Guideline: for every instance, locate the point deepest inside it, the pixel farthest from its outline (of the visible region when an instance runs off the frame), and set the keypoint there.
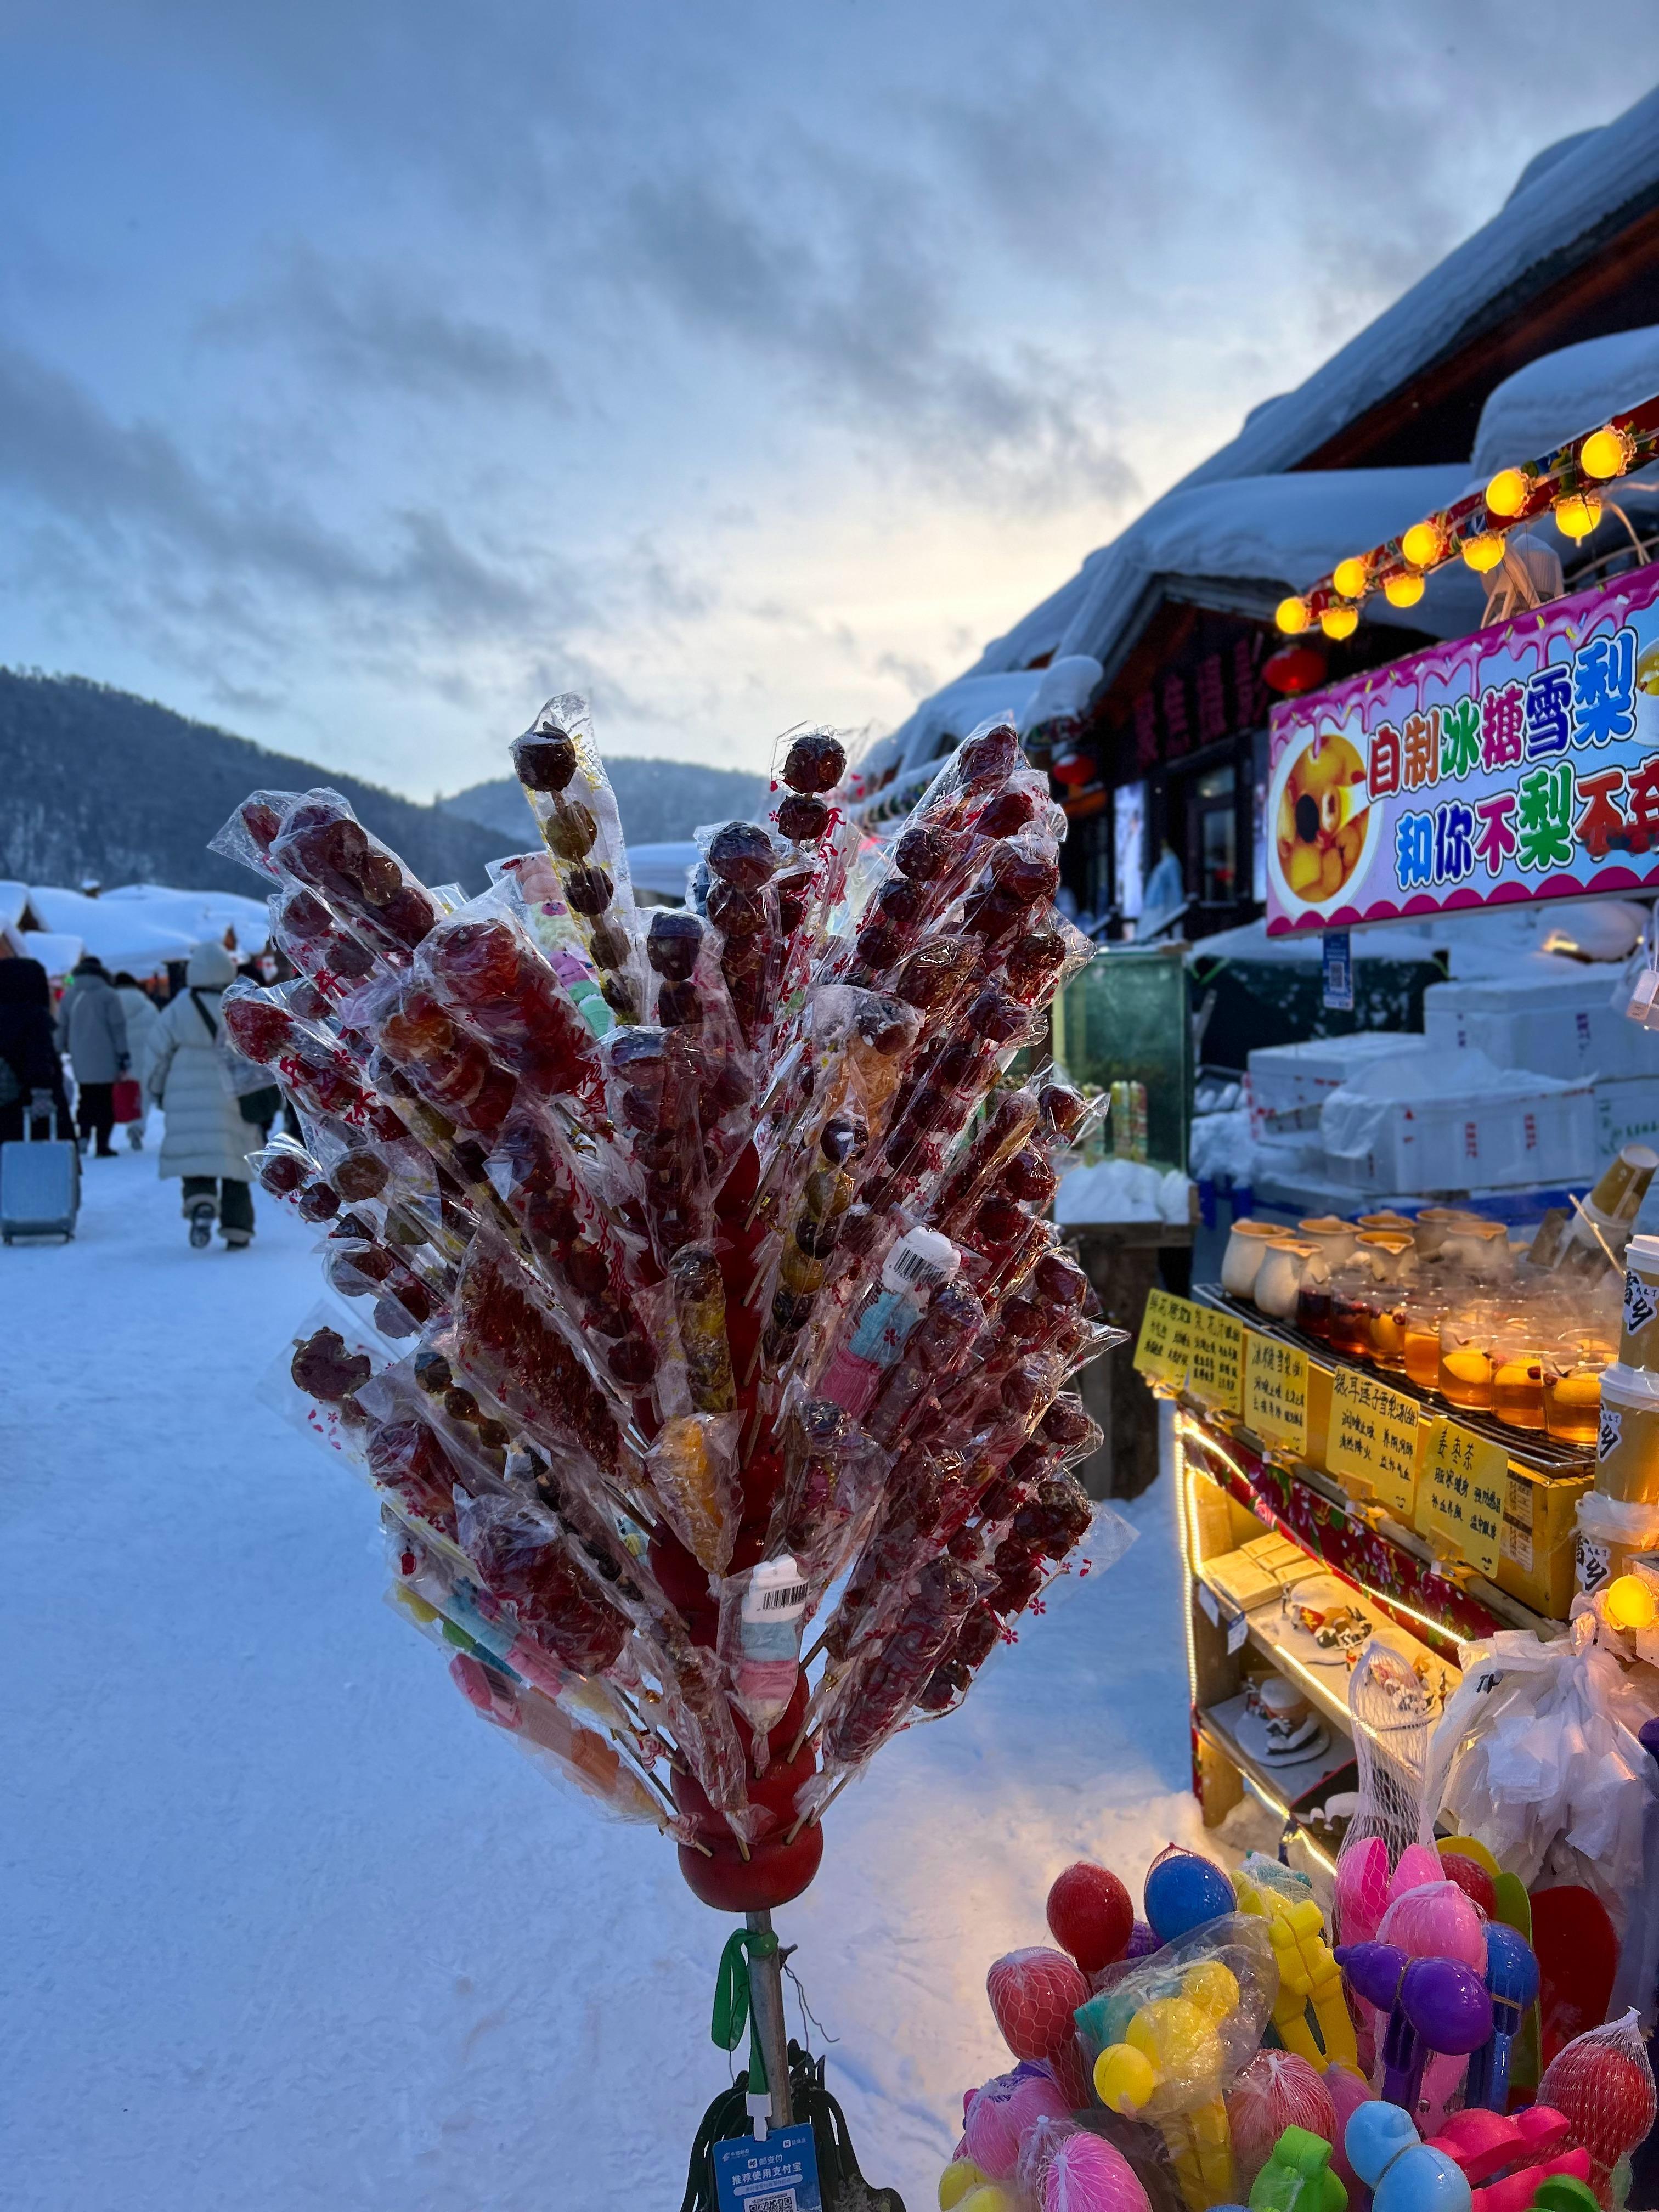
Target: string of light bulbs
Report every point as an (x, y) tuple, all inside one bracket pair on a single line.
[(1565, 485)]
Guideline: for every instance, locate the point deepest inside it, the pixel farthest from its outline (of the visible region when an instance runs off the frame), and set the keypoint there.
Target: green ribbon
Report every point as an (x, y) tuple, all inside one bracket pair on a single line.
[(732, 1999)]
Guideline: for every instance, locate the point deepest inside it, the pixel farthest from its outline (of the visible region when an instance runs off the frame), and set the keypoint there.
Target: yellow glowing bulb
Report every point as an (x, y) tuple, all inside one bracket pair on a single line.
[(1508, 492), (1606, 452), (1483, 552), (1403, 591), (1340, 622), (1422, 544), (1292, 617), (1349, 576), (1629, 1602), (1577, 513)]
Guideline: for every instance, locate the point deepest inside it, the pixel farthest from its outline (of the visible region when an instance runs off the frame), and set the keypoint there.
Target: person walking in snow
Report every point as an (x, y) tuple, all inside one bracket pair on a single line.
[(95, 1030), (142, 1015), (31, 1072), (207, 1141)]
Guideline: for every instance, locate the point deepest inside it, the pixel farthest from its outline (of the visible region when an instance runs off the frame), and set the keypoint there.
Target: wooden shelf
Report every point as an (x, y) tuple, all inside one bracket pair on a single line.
[(1278, 1788)]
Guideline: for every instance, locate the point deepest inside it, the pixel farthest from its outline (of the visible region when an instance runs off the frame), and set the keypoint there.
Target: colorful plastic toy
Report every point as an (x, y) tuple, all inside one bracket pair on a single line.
[(1603, 2083), (1276, 2090), (1034, 1993), (1091, 1915), (1433, 2004), (1182, 1891), (1308, 1976), (1170, 2068), (1298, 2177), (1086, 2174), (1403, 2173), (1512, 1985), (1512, 2156), (1435, 1920), (999, 2114)]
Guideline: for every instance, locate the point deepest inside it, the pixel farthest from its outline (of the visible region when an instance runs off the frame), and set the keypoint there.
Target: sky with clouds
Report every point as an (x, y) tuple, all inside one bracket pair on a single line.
[(370, 370)]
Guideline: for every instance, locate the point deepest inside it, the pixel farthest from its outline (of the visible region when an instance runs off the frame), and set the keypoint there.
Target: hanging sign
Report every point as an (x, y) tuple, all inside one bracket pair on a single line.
[(1276, 1393), (1461, 1490), (778, 2173), (1373, 1436), (1517, 764), (1216, 1361), (1164, 1345)]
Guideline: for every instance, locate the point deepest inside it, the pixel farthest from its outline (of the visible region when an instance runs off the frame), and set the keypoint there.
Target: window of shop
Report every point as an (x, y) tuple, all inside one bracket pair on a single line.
[(1217, 807)]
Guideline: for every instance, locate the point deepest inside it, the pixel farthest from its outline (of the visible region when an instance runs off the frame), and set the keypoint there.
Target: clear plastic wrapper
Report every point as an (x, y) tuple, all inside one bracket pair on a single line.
[(811, 1234), (253, 829), (551, 1737), (523, 1562), (935, 1349), (831, 1489), (308, 1063), (483, 966), (743, 903), (699, 1297), (322, 844), (920, 1264), (763, 1611), (314, 1382), (575, 809), (528, 881), (653, 1098), (691, 999), (873, 1698), (332, 958), (1602, 2082), (692, 1464)]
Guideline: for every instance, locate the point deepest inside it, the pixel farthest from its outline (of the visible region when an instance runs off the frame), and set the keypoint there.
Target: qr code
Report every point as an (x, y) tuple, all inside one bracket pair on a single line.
[(781, 2200)]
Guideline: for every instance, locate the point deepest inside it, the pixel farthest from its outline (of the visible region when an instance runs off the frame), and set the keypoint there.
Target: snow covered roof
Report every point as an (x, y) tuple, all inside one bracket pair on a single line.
[(56, 951), (1565, 196), (197, 915), (1030, 695), (14, 897), (1559, 394), (142, 927), (663, 868)]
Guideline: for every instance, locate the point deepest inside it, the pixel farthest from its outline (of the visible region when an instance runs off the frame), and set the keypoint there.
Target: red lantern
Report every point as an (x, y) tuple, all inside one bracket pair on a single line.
[(1299, 668), (1074, 768)]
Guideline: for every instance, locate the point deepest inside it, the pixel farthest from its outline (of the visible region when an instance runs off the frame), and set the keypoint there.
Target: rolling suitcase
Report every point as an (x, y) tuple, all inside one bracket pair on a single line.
[(39, 1186)]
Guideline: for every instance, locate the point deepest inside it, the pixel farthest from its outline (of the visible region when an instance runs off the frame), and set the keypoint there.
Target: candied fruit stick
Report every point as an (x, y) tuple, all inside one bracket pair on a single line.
[(322, 845), (331, 958), (320, 1074), (692, 1466), (651, 1093), (550, 1737), (247, 836), (699, 1294), (561, 776), (742, 860), (691, 999), (813, 1232), (1012, 1117), (692, 1696), (809, 812), (936, 1349), (485, 968), (831, 1490), (884, 1682), (873, 1342)]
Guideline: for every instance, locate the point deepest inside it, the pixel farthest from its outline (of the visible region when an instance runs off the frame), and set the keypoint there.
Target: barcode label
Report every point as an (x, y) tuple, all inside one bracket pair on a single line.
[(781, 1601), (913, 1267), (781, 2200)]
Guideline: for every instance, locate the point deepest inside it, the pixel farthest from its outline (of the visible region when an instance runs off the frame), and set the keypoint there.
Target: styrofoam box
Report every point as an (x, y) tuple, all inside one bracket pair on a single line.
[(1626, 1113), (1289, 1083), (1556, 1025), (1479, 1142)]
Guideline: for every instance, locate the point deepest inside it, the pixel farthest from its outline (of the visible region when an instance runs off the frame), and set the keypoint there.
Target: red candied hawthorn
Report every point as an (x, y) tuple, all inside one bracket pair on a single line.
[(1066, 1424), (794, 890), (1058, 1279), (673, 944), (323, 1368), (319, 1202), (933, 971), (360, 1176), (1008, 812), (990, 759), (816, 762), (408, 1459), (1034, 960), (305, 916), (802, 819), (924, 852), (741, 854), (261, 820), (545, 760), (282, 1174), (1029, 1177), (259, 1031)]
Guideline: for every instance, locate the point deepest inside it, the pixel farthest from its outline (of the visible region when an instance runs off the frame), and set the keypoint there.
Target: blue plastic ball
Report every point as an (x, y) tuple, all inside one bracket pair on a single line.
[(1182, 1891)]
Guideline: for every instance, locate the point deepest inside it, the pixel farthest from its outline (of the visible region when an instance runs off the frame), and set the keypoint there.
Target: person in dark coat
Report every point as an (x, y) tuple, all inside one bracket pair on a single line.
[(94, 1027), (31, 1073)]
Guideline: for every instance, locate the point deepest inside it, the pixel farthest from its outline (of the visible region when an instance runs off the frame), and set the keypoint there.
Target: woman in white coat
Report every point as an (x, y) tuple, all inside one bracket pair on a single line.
[(207, 1141), (143, 1014)]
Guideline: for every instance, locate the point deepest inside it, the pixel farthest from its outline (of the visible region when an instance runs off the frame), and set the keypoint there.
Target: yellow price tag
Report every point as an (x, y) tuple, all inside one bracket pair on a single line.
[(1373, 1436), (1215, 1367), (1276, 1392), (1459, 1494), (1165, 1341)]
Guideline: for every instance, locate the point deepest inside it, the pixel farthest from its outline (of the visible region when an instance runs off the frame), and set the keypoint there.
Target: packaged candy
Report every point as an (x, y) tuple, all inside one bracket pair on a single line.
[(763, 1612), (322, 844), (921, 1262), (571, 798), (692, 1466)]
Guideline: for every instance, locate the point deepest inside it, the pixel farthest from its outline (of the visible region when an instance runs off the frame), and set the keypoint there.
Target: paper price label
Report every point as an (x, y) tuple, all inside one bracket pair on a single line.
[(1460, 1493), (1373, 1436), (1215, 1367), (1165, 1342), (1276, 1392)]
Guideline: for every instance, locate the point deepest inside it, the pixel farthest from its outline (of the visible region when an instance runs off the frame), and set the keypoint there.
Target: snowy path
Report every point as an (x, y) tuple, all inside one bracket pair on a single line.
[(288, 1927)]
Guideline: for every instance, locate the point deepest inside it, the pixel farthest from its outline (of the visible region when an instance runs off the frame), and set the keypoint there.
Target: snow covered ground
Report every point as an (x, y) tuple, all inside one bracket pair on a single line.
[(288, 1927)]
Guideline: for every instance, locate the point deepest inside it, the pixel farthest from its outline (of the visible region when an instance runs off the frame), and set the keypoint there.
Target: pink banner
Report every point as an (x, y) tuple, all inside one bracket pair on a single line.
[(1519, 763)]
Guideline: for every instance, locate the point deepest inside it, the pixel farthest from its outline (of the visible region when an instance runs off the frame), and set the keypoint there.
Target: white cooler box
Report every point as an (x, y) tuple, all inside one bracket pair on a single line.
[(1626, 1113), (1289, 1083), (1454, 1121), (1554, 1016)]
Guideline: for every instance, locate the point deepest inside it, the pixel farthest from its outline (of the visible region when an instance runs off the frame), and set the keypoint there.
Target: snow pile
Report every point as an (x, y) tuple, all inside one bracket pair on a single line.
[(1122, 1190), (1221, 1149), (1554, 399), (290, 1927)]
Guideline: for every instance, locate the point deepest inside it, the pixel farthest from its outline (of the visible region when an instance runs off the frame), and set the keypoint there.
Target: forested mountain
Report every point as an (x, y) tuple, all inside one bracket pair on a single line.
[(97, 782)]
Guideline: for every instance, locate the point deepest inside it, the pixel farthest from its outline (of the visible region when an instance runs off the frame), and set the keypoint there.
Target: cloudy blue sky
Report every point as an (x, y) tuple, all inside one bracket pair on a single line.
[(369, 370)]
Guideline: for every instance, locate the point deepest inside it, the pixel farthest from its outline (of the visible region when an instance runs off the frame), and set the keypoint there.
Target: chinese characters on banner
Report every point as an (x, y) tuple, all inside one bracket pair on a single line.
[(1519, 763)]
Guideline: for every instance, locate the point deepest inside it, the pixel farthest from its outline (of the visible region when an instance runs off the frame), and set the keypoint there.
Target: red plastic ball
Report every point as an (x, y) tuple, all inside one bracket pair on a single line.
[(1472, 1878), (1033, 1996), (1090, 1914)]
